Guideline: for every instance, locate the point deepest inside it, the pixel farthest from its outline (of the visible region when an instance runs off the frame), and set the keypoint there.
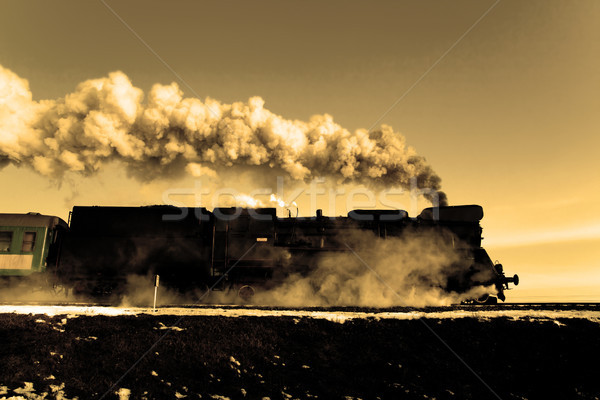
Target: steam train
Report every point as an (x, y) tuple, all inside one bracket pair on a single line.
[(243, 249)]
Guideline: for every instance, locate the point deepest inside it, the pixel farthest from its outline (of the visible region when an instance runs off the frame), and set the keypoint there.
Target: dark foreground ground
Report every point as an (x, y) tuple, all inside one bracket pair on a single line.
[(285, 358)]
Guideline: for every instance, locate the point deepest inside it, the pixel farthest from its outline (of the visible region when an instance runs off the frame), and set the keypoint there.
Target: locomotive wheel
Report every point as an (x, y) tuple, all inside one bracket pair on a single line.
[(60, 289), (246, 292)]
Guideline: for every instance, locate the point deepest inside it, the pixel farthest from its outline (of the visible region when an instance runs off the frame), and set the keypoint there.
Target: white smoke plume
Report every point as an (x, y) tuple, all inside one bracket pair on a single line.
[(107, 119)]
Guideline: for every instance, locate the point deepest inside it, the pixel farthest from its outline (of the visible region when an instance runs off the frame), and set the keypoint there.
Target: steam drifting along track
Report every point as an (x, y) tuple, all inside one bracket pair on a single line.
[(534, 312)]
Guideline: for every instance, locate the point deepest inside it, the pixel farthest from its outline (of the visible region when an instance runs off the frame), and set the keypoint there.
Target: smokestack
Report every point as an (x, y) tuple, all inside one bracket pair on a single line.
[(106, 119)]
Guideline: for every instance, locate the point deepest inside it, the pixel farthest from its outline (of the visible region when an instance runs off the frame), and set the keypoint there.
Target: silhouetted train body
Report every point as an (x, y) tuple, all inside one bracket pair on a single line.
[(192, 248)]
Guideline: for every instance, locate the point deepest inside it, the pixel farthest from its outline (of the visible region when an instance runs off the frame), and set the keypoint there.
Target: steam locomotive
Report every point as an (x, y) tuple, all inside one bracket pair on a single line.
[(244, 249)]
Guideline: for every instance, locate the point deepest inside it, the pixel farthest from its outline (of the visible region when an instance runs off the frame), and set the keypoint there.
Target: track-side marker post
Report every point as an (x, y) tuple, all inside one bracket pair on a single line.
[(156, 279)]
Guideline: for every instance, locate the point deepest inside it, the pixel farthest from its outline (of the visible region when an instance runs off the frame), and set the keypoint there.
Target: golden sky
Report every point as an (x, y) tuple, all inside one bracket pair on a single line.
[(508, 118)]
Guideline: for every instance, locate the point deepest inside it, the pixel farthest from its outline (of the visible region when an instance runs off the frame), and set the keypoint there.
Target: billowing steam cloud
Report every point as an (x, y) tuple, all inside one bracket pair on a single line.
[(411, 270), (106, 119)]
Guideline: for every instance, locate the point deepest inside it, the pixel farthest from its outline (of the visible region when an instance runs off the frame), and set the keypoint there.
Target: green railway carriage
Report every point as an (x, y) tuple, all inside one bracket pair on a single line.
[(28, 242)]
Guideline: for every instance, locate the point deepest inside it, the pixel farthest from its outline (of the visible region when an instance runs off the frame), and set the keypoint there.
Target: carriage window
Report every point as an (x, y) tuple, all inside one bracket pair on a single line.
[(28, 242), (5, 241)]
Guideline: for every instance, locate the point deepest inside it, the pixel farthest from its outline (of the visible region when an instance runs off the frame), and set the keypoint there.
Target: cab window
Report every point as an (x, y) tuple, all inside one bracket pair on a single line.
[(5, 241)]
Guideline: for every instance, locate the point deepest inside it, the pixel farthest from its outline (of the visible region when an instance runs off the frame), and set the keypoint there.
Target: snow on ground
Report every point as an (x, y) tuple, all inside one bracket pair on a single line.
[(27, 392), (173, 328), (335, 316), (123, 393)]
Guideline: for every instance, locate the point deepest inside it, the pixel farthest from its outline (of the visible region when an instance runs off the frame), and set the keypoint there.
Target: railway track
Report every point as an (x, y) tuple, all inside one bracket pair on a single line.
[(470, 307)]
